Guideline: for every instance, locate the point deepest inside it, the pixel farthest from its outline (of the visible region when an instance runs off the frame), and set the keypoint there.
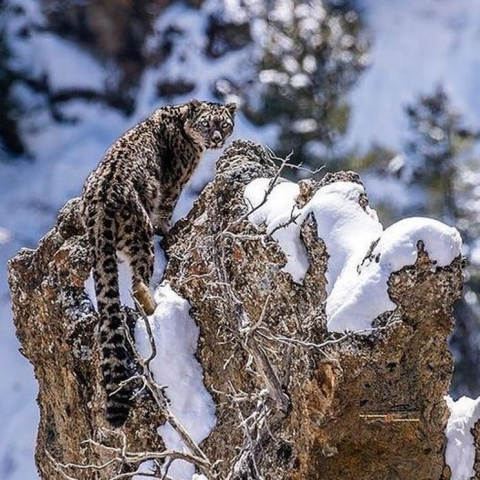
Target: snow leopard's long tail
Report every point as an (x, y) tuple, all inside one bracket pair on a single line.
[(112, 336)]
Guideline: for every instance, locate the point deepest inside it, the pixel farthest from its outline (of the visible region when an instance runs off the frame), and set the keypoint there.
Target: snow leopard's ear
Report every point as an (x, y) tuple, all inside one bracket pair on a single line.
[(232, 108), (194, 104)]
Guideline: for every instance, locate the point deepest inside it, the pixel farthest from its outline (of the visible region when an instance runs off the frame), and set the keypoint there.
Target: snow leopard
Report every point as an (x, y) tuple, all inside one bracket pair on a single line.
[(129, 198)]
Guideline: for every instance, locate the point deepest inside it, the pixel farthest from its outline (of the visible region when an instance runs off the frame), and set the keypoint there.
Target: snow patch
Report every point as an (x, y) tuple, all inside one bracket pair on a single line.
[(147, 467), (360, 292), (5, 235), (460, 451), (346, 228), (275, 212), (175, 366), (416, 47), (356, 278)]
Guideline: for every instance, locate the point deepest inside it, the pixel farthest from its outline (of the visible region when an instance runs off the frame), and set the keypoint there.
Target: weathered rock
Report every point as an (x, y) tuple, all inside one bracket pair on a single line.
[(476, 441), (360, 407), (55, 323)]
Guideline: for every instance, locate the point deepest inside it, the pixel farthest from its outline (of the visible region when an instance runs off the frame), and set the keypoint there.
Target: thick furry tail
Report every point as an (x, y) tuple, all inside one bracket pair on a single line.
[(113, 341)]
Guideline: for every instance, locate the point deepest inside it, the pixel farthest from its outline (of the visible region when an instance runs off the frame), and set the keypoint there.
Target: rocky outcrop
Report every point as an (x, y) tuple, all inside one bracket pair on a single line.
[(55, 323), (292, 400)]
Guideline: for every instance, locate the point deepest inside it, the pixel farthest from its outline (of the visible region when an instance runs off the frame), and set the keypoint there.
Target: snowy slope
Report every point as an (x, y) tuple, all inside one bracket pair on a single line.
[(415, 46)]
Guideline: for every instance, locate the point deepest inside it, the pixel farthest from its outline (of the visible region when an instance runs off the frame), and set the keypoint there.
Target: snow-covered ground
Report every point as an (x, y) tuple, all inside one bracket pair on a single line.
[(416, 45)]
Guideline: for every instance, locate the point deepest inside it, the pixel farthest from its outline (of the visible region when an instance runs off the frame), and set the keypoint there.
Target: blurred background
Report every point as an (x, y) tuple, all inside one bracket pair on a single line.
[(387, 88)]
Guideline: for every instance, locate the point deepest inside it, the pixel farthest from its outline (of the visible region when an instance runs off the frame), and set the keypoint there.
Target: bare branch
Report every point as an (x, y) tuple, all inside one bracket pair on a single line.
[(158, 394), (293, 166), (272, 184)]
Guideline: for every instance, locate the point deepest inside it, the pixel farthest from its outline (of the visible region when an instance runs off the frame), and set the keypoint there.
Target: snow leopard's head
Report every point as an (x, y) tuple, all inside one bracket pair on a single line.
[(210, 123)]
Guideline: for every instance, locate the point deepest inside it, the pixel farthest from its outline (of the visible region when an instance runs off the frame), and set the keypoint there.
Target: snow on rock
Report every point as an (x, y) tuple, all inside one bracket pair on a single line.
[(345, 227), (147, 467), (275, 212), (360, 293), (356, 278), (175, 366), (460, 451)]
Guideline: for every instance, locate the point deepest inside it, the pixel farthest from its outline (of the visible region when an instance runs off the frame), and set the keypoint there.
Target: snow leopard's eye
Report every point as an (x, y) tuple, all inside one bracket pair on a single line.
[(204, 123), (224, 125)]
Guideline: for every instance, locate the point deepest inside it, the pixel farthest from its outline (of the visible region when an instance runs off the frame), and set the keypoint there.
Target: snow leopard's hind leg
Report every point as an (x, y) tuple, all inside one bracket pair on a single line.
[(136, 243)]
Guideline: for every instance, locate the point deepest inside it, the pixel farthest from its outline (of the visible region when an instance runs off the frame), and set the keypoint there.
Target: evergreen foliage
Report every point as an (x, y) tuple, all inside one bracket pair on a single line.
[(313, 53), (10, 141)]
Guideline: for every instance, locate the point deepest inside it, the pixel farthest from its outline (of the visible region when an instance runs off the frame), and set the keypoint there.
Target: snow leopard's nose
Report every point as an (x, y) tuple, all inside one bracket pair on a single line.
[(217, 136)]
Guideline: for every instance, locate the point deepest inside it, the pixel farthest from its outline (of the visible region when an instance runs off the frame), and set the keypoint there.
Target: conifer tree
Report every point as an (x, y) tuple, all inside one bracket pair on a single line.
[(10, 142), (312, 56), (440, 163)]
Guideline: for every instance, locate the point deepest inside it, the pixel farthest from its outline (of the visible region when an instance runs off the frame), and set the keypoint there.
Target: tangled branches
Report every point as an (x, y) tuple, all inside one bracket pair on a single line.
[(267, 332)]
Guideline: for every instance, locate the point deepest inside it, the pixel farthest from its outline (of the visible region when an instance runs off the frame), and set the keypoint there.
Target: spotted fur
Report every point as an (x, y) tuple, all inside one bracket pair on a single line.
[(128, 198)]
